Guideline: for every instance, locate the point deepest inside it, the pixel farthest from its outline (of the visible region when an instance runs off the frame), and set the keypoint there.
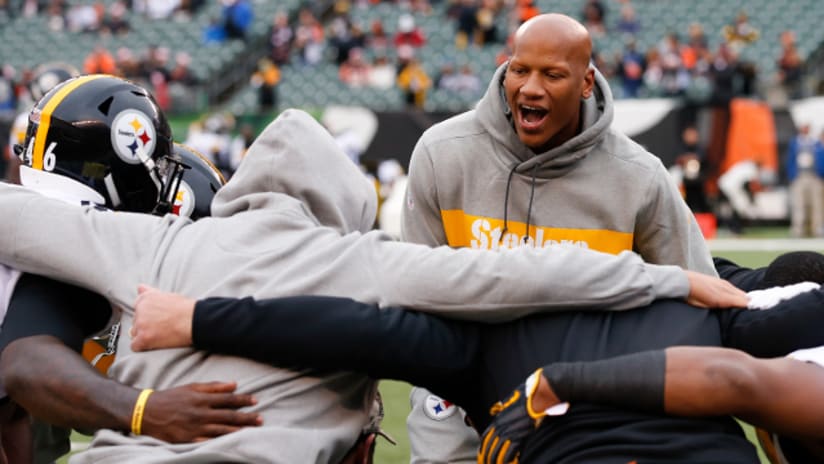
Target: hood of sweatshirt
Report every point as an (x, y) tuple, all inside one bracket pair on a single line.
[(290, 162), (596, 115)]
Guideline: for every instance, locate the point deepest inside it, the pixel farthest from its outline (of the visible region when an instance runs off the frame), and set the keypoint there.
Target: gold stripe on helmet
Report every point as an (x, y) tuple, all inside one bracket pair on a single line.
[(45, 116)]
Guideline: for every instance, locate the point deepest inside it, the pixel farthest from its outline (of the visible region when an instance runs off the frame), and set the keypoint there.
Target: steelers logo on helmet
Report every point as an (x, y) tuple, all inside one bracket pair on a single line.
[(133, 136), (109, 134), (185, 200), (200, 181)]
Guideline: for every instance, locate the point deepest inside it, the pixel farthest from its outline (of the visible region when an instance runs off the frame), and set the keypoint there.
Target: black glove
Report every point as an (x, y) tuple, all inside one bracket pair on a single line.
[(515, 420)]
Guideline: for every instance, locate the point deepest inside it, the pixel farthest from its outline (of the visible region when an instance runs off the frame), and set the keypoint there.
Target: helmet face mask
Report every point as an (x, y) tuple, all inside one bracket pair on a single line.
[(108, 134)]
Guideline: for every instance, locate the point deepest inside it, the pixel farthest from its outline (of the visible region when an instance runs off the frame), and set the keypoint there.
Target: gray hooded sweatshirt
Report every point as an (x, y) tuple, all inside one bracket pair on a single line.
[(295, 219), (473, 183)]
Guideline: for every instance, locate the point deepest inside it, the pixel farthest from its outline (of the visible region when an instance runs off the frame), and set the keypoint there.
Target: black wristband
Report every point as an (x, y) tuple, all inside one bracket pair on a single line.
[(634, 381)]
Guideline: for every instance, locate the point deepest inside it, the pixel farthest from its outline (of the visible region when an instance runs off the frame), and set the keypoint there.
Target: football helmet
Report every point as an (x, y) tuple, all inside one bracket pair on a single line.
[(109, 134), (201, 180), (48, 75)]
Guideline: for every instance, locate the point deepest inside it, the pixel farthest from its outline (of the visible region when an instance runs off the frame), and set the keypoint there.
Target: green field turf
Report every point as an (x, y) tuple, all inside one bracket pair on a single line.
[(395, 394)]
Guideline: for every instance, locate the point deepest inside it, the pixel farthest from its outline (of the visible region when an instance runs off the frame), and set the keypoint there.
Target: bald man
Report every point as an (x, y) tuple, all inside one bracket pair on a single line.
[(537, 164)]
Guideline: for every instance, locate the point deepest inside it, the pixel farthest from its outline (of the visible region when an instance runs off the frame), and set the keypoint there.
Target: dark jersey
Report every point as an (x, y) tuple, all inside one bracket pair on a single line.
[(41, 306)]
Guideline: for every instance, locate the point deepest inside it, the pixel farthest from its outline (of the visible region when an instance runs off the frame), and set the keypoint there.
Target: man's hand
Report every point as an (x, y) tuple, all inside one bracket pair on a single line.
[(712, 292), (197, 412), (161, 320), (517, 417)]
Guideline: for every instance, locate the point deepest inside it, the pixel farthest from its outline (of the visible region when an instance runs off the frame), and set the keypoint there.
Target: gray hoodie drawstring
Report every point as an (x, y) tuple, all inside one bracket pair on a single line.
[(506, 201), (531, 197)]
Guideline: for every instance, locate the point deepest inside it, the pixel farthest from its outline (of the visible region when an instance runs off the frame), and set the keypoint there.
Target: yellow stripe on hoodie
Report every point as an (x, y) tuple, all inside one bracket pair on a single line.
[(466, 230)]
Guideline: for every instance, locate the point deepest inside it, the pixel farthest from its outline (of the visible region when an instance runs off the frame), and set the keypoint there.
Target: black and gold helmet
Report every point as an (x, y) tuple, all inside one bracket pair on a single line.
[(201, 180), (109, 134), (47, 75)]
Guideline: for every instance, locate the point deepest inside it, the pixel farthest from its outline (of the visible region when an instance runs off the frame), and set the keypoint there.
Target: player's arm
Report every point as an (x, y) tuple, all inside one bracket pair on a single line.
[(744, 278), (317, 332), (80, 245), (792, 324), (42, 370), (778, 394)]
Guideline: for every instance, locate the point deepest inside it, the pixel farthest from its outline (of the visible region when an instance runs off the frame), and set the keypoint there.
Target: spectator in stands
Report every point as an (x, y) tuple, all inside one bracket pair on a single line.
[(187, 9), (408, 33), (653, 72), (525, 10), (382, 73), (309, 38), (631, 68), (467, 83), (345, 36), (266, 80), (237, 18), (155, 61), (127, 64), (377, 41), (487, 30), (593, 18), (115, 22), (214, 33), (466, 17), (722, 71), (281, 36), (56, 16), (790, 66), (740, 33), (674, 76), (415, 82), (155, 9), (805, 173), (445, 80), (99, 61), (84, 17), (181, 72), (354, 72), (628, 23), (8, 94)]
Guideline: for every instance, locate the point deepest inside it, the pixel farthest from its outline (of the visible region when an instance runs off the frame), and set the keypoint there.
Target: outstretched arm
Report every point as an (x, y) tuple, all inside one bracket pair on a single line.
[(318, 332), (778, 394), (43, 371), (73, 394)]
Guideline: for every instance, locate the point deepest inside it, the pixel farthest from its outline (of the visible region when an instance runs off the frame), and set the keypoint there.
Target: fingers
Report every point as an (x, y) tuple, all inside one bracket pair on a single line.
[(712, 292), (143, 288), (214, 387)]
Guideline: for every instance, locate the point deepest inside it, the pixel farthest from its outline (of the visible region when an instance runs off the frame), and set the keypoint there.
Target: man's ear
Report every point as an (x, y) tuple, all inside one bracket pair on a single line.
[(589, 83)]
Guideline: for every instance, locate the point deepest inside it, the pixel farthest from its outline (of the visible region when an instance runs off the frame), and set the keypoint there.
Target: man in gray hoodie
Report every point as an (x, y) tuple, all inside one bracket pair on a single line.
[(295, 219), (537, 163)]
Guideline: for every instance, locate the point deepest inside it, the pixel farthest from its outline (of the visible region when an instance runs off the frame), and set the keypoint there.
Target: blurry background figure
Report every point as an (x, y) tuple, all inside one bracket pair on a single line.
[(266, 80), (382, 73), (354, 71), (738, 186), (392, 179), (212, 138), (41, 80), (805, 169), (281, 37), (415, 82), (688, 173), (790, 67)]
